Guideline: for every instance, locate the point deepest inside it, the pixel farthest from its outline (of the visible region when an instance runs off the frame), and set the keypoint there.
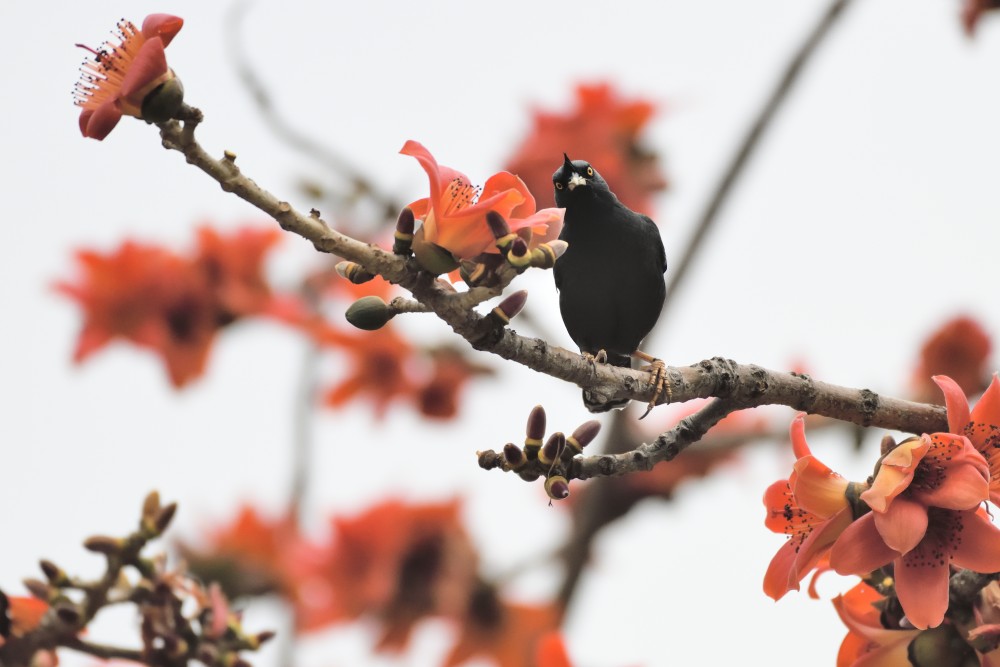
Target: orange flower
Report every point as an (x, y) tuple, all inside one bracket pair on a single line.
[(981, 426), (249, 556), (552, 651), (454, 216), (151, 297), (960, 349), (811, 508), (234, 263), (605, 130), (20, 615), (921, 553), (120, 77), (378, 371), (923, 499), (396, 562), (438, 398), (509, 634), (868, 642)]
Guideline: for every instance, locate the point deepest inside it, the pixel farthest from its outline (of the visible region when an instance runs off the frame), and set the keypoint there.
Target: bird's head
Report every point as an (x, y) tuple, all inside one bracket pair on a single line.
[(576, 180)]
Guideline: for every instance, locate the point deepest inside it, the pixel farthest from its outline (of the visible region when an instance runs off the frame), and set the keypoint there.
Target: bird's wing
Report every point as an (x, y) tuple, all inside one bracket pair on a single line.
[(651, 227)]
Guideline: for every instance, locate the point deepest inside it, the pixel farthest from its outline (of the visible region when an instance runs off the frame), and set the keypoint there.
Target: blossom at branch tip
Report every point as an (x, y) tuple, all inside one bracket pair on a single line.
[(604, 127), (123, 79), (811, 507), (454, 215), (510, 634), (981, 425)]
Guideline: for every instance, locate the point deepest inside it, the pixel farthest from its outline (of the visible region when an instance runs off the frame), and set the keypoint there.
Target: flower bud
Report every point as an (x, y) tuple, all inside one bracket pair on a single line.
[(163, 102), (403, 238), (557, 487), (103, 544), (518, 256), (53, 573), (534, 432), (432, 257), (501, 231), (552, 451), (940, 647), (583, 436), (369, 313), (150, 505), (473, 273), (38, 588), (546, 254), (354, 273), (510, 306), (514, 457), (164, 517)]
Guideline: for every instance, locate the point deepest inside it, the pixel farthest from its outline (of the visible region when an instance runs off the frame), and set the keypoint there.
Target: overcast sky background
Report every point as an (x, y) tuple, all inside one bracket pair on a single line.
[(867, 217)]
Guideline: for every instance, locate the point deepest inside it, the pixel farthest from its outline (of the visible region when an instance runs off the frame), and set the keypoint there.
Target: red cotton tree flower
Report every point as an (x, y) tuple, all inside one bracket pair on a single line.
[(981, 426), (122, 79), (811, 508), (605, 129), (925, 516), (454, 215)]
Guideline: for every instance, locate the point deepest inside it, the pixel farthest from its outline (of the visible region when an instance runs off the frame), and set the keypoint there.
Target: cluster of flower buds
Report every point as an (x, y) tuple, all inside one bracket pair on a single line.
[(552, 457), (515, 247), (165, 598)]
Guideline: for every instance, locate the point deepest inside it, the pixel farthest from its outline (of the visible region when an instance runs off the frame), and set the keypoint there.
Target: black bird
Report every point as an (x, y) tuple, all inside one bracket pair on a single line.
[(610, 279)]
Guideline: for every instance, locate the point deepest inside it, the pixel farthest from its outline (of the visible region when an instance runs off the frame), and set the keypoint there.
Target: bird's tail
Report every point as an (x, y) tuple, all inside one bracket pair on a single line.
[(596, 402)]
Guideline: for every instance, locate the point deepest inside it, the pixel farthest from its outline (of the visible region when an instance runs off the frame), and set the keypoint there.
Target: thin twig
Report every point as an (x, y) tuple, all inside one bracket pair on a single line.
[(679, 271), (307, 144)]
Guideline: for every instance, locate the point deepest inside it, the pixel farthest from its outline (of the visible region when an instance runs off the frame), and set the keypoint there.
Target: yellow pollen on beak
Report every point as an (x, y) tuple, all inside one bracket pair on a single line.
[(575, 180)]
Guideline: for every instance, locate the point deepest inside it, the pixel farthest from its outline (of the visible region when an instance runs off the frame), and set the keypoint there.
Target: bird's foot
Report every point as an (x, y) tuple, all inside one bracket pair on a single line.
[(600, 358), (659, 370)]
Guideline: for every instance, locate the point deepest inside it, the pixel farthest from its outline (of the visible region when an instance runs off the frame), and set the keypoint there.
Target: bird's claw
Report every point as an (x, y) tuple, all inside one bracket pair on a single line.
[(600, 358), (659, 371)]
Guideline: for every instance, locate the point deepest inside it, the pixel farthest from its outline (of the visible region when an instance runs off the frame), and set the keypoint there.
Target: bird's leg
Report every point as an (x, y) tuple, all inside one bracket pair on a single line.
[(659, 371)]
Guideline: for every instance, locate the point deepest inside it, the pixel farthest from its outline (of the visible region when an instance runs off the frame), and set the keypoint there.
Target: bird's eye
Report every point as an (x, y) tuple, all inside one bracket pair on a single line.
[(590, 171), (559, 186)]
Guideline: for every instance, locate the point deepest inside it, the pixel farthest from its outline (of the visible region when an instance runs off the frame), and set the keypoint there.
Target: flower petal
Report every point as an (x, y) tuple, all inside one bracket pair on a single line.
[(164, 26), (955, 402), (149, 66), (818, 489), (963, 488), (436, 174), (979, 546), (987, 410), (922, 588), (860, 548), (798, 434), (818, 543), (778, 579), (896, 472), (98, 123), (903, 524)]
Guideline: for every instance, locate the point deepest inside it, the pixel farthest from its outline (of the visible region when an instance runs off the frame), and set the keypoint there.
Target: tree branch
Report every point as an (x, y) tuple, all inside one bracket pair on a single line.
[(745, 385)]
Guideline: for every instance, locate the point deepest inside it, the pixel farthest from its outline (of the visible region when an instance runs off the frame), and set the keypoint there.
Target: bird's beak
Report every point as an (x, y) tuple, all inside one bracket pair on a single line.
[(575, 180)]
